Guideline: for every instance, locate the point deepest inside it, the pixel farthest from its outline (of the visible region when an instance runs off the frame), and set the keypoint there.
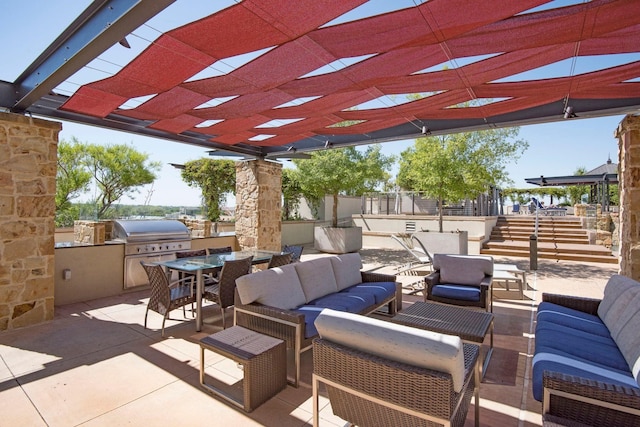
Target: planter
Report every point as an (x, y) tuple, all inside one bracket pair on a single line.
[(340, 240)]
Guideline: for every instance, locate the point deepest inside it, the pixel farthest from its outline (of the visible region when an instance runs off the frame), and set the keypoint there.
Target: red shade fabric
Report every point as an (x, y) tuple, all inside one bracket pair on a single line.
[(438, 36)]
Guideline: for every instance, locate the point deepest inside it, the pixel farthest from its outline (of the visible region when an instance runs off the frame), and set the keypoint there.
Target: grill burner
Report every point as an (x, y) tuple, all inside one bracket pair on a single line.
[(148, 241)]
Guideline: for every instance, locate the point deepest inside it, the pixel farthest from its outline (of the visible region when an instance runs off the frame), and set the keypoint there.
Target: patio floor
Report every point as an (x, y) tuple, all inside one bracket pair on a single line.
[(95, 364)]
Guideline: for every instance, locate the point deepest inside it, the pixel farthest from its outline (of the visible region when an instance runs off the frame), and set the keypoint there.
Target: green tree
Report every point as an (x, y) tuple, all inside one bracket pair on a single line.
[(291, 193), (216, 179), (342, 171), (72, 179), (118, 170), (459, 166), (575, 192)]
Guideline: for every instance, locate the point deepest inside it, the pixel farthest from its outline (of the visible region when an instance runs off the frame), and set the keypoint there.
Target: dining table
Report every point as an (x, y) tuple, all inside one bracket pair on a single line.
[(196, 265)]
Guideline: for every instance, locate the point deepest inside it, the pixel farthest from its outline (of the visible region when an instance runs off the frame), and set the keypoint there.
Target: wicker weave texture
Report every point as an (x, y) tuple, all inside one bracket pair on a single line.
[(587, 305), (419, 389)]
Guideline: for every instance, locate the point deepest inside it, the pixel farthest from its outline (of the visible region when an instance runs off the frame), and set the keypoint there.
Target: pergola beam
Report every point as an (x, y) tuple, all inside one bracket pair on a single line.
[(100, 26)]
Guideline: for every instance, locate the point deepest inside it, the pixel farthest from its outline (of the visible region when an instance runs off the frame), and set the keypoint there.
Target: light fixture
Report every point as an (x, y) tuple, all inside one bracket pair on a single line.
[(125, 43), (568, 112), (426, 130), (292, 149), (328, 144)]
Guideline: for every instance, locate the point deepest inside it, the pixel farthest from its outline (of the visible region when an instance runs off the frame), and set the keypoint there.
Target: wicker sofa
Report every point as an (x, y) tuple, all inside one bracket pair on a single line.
[(285, 302), (586, 366), (380, 373)]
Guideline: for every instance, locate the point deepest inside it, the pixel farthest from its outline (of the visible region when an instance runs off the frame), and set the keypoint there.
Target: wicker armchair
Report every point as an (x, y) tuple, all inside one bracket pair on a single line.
[(295, 250), (463, 280), (166, 295), (368, 390), (223, 291)]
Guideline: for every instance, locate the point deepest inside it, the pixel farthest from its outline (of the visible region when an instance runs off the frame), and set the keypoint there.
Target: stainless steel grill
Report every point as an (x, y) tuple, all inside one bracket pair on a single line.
[(148, 241)]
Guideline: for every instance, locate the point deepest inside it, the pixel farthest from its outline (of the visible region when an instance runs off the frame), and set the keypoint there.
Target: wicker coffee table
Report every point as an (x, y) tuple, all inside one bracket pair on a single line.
[(263, 359), (470, 325)]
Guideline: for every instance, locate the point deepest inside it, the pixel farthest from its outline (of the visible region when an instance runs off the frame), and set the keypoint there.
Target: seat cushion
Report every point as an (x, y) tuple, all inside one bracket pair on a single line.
[(381, 291), (571, 366), (317, 278), (277, 287), (416, 347), (343, 301), (310, 313), (463, 293), (346, 269), (561, 315)]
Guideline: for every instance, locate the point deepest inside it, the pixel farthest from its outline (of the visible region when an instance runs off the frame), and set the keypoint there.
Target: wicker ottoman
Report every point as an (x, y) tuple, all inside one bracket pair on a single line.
[(263, 359)]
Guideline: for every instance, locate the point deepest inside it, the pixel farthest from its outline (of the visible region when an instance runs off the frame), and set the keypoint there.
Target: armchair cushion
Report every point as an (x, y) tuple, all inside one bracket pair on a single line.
[(619, 303), (462, 270), (463, 293), (317, 278), (346, 269), (277, 287), (426, 349)]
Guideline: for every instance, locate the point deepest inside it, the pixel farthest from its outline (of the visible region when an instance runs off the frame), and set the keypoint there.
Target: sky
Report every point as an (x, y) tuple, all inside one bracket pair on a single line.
[(555, 149)]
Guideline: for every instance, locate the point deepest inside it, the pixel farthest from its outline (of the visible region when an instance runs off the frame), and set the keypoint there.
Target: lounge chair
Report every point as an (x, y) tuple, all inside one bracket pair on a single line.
[(419, 256)]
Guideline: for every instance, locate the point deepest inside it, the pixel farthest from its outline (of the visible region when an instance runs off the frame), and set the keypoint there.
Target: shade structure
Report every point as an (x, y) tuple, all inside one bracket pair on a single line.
[(475, 65)]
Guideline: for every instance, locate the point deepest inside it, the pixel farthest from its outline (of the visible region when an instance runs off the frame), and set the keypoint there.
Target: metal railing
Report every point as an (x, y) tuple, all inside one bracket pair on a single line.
[(417, 203)]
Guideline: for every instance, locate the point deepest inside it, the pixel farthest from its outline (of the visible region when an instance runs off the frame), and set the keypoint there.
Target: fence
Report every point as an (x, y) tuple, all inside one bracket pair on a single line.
[(416, 203)]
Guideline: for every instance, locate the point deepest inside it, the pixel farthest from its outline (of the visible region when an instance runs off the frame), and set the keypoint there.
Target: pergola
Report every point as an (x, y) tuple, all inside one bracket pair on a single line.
[(274, 78)]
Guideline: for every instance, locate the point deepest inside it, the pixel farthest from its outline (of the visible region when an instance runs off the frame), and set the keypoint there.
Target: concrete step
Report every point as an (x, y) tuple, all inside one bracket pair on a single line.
[(541, 231), (570, 252), (582, 240)]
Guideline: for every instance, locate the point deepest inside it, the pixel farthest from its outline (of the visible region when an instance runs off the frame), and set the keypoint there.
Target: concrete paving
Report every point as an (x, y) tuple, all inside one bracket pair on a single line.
[(96, 365)]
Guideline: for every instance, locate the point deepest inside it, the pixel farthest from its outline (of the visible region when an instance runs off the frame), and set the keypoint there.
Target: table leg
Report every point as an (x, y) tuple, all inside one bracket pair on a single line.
[(199, 289), (487, 357)]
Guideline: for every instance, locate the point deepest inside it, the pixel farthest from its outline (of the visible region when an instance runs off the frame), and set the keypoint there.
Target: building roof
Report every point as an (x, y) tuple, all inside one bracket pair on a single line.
[(317, 73), (605, 173)]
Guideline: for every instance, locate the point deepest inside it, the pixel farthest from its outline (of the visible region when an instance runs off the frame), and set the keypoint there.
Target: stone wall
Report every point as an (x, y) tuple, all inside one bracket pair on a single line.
[(89, 232), (628, 134), (259, 204), (28, 158), (198, 227)]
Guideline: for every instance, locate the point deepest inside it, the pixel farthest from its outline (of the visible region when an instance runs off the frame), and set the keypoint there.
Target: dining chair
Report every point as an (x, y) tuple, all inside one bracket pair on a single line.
[(167, 295), (295, 250), (222, 250), (208, 274), (213, 275), (222, 292), (278, 260)]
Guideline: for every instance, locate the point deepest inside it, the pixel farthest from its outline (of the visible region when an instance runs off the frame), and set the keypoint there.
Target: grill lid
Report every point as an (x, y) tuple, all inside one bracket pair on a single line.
[(132, 231)]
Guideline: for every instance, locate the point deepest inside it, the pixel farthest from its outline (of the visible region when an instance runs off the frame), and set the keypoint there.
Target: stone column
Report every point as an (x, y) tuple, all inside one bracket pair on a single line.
[(259, 204), (628, 134), (28, 159)]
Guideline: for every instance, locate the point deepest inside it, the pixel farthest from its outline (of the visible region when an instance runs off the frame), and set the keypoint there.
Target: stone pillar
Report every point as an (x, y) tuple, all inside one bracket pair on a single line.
[(28, 161), (259, 204), (628, 134), (89, 232)]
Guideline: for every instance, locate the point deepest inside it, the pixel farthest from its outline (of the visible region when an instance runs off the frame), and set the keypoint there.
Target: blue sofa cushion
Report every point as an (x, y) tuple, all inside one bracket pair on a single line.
[(554, 313), (310, 312), (380, 290), (580, 345), (463, 293), (571, 366), (344, 301)]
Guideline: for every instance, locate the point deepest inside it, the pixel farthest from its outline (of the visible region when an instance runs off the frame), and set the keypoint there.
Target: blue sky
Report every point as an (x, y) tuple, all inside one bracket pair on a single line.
[(555, 149)]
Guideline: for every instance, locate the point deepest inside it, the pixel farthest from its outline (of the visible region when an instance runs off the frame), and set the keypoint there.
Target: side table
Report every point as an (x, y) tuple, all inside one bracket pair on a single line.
[(263, 359)]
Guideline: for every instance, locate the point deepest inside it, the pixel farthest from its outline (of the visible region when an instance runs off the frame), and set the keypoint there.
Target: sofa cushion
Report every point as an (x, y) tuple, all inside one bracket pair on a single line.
[(277, 287), (618, 293), (462, 269), (463, 293), (568, 365), (346, 269), (310, 313), (416, 347), (380, 290), (316, 277), (628, 340), (561, 315), (343, 301)]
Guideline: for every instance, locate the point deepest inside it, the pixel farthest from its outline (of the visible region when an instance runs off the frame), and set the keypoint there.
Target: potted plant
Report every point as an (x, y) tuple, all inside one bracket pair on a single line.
[(345, 171)]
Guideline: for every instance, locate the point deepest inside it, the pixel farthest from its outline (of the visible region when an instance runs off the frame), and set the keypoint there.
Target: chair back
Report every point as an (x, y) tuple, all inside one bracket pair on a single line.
[(160, 298), (231, 270), (294, 250), (192, 253), (419, 246), (463, 269), (280, 260), (222, 250)]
